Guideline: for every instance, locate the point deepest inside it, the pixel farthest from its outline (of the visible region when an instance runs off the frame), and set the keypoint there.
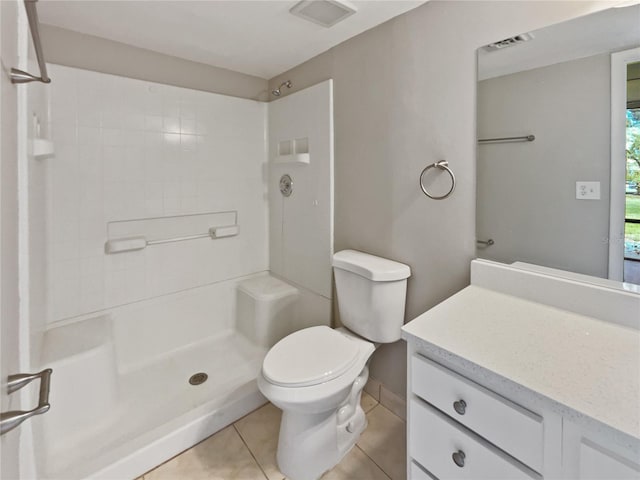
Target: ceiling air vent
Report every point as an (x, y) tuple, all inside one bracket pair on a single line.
[(509, 42), (323, 12)]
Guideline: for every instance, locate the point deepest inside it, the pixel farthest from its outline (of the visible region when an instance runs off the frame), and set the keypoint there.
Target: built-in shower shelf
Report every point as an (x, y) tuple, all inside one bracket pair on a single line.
[(42, 147), (293, 158), (293, 151)]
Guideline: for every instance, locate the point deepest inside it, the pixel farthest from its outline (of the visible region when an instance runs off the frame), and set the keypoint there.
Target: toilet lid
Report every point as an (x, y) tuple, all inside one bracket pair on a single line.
[(309, 357)]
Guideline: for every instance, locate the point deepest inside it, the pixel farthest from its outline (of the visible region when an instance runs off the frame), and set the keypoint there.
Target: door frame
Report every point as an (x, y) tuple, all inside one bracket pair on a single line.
[(619, 62), (11, 443)]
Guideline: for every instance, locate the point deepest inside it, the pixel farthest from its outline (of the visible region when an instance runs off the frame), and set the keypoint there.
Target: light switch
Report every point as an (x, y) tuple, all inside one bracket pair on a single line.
[(588, 190)]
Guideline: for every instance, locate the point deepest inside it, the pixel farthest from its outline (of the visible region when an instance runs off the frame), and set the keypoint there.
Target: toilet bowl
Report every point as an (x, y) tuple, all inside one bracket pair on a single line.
[(298, 375), (316, 375), (322, 418)]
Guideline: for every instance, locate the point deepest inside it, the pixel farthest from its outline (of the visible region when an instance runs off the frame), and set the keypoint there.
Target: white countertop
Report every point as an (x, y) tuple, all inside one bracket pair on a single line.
[(590, 367)]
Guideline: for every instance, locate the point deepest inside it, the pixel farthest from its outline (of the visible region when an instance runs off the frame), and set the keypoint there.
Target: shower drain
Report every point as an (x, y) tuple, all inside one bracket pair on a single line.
[(198, 378)]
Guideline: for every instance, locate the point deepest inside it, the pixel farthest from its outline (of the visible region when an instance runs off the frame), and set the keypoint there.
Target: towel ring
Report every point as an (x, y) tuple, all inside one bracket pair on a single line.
[(443, 165)]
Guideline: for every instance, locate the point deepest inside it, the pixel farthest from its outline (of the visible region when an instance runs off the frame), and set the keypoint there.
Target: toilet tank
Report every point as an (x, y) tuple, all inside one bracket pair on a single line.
[(371, 294), (265, 309)]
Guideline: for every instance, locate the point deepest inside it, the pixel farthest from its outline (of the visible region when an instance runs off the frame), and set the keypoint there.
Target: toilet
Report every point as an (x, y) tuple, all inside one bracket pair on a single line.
[(316, 375)]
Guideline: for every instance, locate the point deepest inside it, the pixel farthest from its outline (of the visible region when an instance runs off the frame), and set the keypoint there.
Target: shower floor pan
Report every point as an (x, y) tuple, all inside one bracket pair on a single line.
[(157, 413)]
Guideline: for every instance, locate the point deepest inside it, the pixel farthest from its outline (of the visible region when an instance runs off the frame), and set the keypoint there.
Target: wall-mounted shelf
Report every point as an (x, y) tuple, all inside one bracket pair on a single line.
[(293, 151), (42, 147)]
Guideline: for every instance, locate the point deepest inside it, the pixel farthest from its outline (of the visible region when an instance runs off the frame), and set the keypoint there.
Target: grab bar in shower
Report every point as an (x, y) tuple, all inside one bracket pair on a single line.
[(20, 76), (524, 138), (129, 244), (10, 420)]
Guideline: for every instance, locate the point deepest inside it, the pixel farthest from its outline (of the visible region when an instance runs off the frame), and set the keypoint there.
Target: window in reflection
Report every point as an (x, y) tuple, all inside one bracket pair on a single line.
[(632, 186)]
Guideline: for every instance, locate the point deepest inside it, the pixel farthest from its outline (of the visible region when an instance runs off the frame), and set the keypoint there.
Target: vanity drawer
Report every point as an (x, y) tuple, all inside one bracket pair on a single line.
[(515, 430), (417, 473), (435, 439)]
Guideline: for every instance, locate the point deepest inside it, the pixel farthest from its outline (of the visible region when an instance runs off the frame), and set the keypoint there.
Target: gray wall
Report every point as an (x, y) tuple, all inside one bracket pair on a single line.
[(526, 191), (405, 98), (74, 49)]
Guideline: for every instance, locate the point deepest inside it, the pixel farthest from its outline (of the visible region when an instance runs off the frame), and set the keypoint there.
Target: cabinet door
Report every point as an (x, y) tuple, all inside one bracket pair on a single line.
[(598, 464)]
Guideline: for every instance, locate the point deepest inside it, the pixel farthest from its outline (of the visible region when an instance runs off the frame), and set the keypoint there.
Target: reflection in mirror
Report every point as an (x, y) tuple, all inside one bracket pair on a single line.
[(545, 183), (632, 176)]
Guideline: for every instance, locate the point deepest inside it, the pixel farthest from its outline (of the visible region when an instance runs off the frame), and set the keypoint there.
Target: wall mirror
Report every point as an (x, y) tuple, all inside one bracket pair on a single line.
[(558, 160)]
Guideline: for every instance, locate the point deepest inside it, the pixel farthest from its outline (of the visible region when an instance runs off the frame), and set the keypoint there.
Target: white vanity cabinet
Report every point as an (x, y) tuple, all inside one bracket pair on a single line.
[(448, 450), (587, 455), (501, 386), (505, 424), (458, 429)]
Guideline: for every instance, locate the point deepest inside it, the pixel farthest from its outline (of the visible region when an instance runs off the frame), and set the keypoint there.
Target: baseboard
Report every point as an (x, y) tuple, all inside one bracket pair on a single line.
[(372, 387), (386, 397)]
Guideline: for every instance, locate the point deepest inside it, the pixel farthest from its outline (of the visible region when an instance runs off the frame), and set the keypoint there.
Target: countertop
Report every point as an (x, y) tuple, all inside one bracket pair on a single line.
[(585, 367)]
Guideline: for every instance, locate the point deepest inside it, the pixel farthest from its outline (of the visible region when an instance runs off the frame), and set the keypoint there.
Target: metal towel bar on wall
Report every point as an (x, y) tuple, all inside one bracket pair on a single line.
[(486, 243), (20, 76), (524, 138), (442, 165)]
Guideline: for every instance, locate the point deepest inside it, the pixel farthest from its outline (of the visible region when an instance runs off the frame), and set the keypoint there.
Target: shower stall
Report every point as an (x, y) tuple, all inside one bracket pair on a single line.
[(161, 260)]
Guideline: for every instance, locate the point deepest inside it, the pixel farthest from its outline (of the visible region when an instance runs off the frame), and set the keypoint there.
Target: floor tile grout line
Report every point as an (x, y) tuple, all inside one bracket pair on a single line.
[(363, 451), (356, 445), (373, 461), (252, 412), (142, 477), (177, 455), (377, 404), (390, 411), (250, 452), (374, 406)]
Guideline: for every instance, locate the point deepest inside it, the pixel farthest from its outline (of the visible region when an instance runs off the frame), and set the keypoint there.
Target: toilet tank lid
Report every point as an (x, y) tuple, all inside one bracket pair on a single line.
[(267, 288), (374, 268)]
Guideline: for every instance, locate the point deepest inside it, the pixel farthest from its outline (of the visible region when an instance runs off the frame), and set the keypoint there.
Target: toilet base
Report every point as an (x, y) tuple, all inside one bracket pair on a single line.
[(312, 443)]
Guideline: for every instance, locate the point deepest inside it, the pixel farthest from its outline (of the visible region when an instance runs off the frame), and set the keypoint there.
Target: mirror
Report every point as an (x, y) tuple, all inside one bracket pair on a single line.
[(548, 192)]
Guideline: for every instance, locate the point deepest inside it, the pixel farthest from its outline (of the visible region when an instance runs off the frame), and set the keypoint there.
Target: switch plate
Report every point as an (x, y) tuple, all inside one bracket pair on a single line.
[(588, 190)]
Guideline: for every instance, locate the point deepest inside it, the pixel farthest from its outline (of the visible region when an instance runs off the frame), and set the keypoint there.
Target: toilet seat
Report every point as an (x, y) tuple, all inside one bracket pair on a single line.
[(310, 357)]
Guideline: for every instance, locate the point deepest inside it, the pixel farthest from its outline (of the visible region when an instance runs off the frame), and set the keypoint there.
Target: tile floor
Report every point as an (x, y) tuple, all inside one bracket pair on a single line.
[(246, 450)]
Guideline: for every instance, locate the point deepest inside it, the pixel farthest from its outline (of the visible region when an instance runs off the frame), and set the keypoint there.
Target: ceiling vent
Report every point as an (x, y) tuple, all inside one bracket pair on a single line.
[(323, 12), (509, 42)]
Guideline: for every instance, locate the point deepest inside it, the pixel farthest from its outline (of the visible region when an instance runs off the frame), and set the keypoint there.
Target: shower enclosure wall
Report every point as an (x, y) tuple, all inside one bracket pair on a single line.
[(125, 331)]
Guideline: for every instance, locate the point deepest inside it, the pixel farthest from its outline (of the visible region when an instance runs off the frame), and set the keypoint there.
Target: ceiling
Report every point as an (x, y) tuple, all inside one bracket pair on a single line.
[(256, 37), (606, 31)]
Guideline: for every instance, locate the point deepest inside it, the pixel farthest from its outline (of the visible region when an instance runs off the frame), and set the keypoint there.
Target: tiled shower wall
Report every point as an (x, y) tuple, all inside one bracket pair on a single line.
[(129, 149)]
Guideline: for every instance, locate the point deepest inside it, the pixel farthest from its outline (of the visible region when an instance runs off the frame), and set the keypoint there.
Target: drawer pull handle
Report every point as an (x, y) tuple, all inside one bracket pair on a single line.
[(458, 458), (460, 407)]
